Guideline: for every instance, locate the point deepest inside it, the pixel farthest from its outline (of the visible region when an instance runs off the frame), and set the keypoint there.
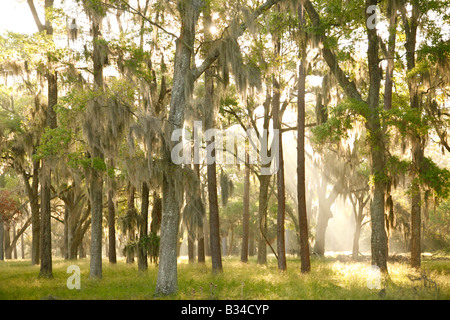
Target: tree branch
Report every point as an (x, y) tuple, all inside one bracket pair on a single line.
[(215, 52), (39, 24), (330, 58)]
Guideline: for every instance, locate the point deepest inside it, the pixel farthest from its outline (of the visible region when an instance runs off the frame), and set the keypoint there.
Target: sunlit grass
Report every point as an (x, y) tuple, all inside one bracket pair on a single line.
[(329, 279)]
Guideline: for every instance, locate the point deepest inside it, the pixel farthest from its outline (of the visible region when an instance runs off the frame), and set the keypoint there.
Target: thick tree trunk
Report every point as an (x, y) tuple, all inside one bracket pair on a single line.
[(301, 180), (46, 233), (46, 240), (167, 269), (166, 282), (96, 179), (143, 229), (377, 149), (324, 216), (246, 212), (321, 228)]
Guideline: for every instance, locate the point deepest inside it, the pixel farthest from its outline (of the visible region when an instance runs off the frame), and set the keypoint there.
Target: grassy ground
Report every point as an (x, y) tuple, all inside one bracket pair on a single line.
[(329, 279)]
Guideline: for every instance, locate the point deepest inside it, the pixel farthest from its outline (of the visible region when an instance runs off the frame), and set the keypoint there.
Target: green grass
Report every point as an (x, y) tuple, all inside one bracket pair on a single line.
[(329, 279)]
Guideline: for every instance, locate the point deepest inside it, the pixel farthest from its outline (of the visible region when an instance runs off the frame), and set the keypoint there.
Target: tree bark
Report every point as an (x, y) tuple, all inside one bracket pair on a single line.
[(281, 213), (377, 149), (201, 235), (301, 181), (112, 253), (143, 229), (32, 193), (46, 235), (417, 144), (388, 84), (210, 110), (96, 179), (246, 211), (166, 282), (264, 182), (2, 238), (325, 214)]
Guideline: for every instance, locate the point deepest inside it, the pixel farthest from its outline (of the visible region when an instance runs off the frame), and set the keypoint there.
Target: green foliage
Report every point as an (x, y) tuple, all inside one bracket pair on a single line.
[(407, 120), (435, 178), (55, 141), (340, 120)]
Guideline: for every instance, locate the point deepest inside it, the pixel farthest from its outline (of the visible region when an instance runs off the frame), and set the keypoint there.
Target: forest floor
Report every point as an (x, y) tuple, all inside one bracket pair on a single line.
[(331, 278)]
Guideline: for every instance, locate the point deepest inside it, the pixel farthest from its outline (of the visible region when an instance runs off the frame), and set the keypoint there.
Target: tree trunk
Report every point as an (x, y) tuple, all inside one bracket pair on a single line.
[(325, 214), (210, 110), (191, 255), (7, 241), (14, 246), (201, 233), (143, 229), (167, 268), (166, 282), (112, 254), (46, 240), (377, 149), (35, 214), (301, 181), (356, 236), (96, 179), (392, 16), (131, 215), (281, 213), (246, 213), (214, 227), (2, 242), (96, 199), (417, 145), (264, 181)]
